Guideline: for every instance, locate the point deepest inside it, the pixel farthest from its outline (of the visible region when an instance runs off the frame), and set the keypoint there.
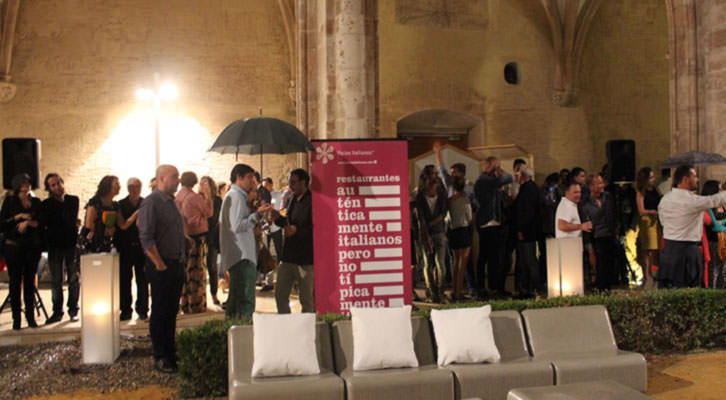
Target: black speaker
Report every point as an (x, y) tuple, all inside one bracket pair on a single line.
[(20, 155), (621, 160)]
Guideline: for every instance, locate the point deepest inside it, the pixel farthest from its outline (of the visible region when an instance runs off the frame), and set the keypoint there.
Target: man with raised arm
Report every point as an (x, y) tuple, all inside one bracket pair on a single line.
[(681, 214)]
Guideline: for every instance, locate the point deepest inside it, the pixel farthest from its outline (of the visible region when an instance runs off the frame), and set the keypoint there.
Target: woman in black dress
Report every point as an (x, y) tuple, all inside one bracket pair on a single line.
[(19, 216), (647, 199), (209, 187)]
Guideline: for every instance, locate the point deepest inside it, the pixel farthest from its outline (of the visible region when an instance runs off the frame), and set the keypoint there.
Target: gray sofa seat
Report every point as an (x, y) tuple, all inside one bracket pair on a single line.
[(325, 386), (580, 344), (516, 369), (424, 382), (596, 390)]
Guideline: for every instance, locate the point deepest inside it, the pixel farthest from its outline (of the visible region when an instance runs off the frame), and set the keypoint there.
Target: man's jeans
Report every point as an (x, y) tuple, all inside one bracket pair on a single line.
[(166, 287), (491, 244), (435, 267), (56, 258), (241, 300), (605, 251), (287, 275), (527, 268)]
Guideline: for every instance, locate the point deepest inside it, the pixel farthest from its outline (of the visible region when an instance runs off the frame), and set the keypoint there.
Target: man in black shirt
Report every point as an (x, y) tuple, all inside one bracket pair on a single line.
[(262, 193), (489, 219), (527, 224), (132, 256), (432, 207), (59, 221), (161, 232), (600, 243), (297, 251)]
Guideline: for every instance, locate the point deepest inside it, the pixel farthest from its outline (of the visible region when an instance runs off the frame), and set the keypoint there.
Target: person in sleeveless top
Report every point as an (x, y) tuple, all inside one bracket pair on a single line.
[(103, 217), (647, 199), (460, 211)]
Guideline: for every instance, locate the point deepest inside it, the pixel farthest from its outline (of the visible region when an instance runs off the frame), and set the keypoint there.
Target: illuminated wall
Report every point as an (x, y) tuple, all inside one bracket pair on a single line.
[(77, 65)]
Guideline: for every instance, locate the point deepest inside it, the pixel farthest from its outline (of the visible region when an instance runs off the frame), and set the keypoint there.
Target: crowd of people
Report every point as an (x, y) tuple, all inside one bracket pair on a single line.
[(169, 242), (632, 235), (176, 241)]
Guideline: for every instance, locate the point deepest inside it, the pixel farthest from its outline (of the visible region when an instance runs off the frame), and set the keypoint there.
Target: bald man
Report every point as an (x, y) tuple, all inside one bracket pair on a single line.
[(132, 256), (161, 232)]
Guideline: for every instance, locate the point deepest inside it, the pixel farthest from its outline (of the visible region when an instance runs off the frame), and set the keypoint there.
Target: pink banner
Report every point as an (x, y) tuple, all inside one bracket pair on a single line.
[(361, 224)]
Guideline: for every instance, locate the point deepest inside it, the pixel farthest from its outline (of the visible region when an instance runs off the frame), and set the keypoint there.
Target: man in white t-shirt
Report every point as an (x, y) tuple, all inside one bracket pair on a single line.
[(681, 213), (567, 219)]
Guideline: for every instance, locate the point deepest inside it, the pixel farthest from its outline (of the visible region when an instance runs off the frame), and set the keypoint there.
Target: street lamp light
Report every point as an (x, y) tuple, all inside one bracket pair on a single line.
[(165, 92)]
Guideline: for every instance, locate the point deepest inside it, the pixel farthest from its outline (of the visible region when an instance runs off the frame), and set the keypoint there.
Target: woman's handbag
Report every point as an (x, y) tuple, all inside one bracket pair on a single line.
[(265, 262), (722, 246)]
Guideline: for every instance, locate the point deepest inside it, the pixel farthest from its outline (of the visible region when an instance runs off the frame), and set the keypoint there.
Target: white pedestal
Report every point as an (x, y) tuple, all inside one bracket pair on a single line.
[(100, 320), (564, 267)]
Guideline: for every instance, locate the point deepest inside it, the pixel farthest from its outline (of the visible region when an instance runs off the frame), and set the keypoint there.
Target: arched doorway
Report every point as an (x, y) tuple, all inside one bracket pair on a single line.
[(425, 127)]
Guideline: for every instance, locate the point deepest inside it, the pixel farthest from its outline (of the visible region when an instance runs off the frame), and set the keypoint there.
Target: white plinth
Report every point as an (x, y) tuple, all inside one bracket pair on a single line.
[(100, 320), (564, 267)]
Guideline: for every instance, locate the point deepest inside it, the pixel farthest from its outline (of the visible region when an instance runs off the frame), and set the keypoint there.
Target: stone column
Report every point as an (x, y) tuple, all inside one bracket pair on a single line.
[(337, 68), (353, 70), (684, 76), (8, 20), (698, 70)]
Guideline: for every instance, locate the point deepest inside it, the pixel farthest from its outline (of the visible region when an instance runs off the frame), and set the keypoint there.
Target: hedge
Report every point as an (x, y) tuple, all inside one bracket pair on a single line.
[(202, 360), (662, 321)]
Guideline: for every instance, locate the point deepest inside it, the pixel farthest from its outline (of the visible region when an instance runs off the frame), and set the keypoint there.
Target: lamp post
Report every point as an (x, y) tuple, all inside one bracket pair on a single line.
[(165, 92)]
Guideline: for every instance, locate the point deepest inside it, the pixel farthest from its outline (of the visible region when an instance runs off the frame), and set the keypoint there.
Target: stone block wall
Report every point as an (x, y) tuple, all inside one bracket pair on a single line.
[(78, 63), (711, 30), (451, 55), (624, 81)]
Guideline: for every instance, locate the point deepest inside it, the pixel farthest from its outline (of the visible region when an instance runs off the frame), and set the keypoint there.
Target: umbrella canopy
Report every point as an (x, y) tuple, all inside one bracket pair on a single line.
[(695, 158), (261, 135)]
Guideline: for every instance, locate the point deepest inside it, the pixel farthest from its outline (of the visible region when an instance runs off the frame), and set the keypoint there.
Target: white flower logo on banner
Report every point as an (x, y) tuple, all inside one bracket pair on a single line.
[(324, 153)]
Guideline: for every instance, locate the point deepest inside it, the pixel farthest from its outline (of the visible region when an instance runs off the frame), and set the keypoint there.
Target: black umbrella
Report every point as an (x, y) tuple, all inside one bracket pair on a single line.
[(695, 158), (261, 135)]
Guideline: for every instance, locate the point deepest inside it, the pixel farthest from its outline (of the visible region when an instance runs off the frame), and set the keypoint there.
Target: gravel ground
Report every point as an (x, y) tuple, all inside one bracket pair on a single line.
[(53, 368)]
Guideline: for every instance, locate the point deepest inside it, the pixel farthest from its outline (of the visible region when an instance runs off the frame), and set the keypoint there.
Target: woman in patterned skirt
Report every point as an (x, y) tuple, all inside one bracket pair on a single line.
[(195, 209)]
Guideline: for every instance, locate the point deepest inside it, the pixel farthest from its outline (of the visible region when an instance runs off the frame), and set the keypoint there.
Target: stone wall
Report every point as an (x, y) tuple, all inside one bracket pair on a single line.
[(77, 65), (624, 80), (711, 30), (451, 55)]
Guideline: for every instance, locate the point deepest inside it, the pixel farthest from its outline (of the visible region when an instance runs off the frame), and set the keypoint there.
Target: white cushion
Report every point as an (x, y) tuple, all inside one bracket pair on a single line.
[(464, 335), (382, 338), (284, 345)]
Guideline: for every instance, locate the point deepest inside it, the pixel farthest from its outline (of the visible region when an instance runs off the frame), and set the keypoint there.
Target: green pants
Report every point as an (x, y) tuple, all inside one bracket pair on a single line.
[(241, 300)]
